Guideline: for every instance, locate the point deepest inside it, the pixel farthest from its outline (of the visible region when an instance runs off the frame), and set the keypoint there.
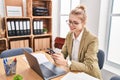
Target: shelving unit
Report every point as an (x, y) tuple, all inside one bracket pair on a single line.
[(19, 38), (41, 41)]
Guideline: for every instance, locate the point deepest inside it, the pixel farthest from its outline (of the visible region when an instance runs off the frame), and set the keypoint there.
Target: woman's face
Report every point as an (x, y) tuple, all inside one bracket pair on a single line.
[(75, 23)]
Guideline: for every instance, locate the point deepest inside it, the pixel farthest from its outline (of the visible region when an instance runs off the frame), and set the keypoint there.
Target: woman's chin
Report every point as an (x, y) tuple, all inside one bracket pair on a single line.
[(72, 30)]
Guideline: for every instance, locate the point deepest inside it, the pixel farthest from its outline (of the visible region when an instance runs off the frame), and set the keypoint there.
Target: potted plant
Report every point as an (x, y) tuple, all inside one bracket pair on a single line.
[(45, 30), (18, 77)]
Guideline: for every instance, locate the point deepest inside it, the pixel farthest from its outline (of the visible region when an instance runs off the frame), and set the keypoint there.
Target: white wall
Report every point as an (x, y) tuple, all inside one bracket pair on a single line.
[(103, 24), (2, 8), (97, 18), (55, 24), (93, 10)]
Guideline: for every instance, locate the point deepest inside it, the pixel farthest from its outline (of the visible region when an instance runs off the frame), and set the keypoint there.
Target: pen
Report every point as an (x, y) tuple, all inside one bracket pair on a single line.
[(5, 60)]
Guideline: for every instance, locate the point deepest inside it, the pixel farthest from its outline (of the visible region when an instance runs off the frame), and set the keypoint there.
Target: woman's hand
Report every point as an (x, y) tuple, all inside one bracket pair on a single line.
[(59, 59)]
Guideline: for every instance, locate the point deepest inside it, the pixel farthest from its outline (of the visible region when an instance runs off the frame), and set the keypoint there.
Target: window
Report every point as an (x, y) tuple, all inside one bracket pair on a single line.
[(114, 31), (65, 7)]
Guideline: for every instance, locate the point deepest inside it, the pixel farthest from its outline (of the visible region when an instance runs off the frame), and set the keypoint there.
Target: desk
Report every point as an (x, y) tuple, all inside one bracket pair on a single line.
[(23, 69)]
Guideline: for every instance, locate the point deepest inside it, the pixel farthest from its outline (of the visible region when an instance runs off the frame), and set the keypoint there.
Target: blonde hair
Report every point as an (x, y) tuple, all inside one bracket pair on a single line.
[(81, 12)]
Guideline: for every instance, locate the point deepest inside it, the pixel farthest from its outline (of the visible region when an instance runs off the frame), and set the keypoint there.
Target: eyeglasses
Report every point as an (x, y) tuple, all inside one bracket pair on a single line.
[(74, 23)]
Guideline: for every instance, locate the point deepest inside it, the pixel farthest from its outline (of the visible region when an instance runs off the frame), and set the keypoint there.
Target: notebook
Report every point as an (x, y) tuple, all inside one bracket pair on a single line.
[(46, 70)]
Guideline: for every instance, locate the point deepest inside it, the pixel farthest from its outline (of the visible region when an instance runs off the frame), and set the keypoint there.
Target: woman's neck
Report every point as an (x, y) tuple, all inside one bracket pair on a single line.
[(76, 34)]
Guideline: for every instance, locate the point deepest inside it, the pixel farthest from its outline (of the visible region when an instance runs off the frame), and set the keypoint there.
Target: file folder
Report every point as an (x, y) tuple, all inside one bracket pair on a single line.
[(28, 27), (21, 28), (38, 31), (9, 28), (41, 27), (17, 28), (13, 28), (35, 27), (25, 27)]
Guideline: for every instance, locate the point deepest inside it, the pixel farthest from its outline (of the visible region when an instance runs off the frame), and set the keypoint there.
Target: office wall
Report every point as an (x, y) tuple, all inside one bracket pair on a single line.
[(2, 8), (55, 14), (93, 10)]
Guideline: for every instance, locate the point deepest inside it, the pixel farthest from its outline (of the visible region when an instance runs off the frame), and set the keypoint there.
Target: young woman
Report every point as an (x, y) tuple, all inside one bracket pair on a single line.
[(80, 46)]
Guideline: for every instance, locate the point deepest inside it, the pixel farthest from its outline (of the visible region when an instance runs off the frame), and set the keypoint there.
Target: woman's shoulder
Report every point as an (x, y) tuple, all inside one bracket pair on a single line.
[(69, 34)]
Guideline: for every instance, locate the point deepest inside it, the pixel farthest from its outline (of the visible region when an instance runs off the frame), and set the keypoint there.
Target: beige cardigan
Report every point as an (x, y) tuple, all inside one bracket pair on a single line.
[(87, 55)]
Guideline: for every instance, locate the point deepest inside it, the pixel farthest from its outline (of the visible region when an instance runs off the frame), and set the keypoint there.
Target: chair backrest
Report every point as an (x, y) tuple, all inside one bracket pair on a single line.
[(14, 52), (59, 42), (101, 57), (115, 78)]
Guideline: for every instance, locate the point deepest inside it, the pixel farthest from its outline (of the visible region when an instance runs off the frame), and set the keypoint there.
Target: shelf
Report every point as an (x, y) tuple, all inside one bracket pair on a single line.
[(17, 17), (3, 39), (44, 17), (42, 35), (11, 37)]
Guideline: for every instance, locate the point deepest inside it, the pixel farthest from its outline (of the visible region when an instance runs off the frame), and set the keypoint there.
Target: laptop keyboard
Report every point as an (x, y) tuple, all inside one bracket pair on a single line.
[(46, 72), (55, 69)]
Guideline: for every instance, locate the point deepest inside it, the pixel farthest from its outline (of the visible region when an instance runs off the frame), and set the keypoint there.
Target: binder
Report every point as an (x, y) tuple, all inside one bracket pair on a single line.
[(25, 27), (17, 28), (9, 28), (13, 28), (35, 27), (28, 27), (41, 27), (21, 28), (38, 31)]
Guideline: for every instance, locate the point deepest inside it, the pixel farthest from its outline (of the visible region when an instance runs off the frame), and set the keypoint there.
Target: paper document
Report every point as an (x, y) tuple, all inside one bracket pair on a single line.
[(78, 76), (70, 76), (84, 76), (41, 58)]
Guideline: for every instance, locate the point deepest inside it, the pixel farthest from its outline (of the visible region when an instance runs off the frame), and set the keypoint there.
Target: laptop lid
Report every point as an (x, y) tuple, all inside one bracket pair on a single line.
[(33, 63)]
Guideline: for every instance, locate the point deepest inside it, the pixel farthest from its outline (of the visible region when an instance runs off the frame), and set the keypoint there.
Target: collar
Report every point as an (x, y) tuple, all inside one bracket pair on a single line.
[(79, 37)]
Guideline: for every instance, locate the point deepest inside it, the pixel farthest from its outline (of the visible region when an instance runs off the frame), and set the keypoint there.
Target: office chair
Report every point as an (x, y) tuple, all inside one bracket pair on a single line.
[(14, 52), (101, 57), (115, 78), (59, 42)]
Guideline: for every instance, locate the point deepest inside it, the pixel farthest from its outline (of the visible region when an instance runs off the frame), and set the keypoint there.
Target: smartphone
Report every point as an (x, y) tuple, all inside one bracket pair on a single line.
[(50, 50)]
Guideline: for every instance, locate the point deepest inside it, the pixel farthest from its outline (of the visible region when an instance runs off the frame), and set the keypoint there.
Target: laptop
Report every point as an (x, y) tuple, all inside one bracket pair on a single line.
[(46, 70)]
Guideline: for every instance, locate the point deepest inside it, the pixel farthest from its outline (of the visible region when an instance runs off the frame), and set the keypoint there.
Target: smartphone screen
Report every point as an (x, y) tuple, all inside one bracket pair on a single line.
[(50, 50)]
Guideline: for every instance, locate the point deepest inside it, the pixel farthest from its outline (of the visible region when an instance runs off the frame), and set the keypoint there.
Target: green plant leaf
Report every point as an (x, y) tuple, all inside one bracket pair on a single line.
[(18, 77)]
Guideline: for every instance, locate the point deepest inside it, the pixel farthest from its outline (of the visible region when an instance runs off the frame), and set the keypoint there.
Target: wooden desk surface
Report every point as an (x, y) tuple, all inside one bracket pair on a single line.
[(23, 69)]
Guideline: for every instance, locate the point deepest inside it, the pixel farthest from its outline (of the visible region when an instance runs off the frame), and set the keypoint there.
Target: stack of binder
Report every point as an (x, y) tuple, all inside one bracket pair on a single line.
[(40, 11), (18, 27), (37, 27)]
